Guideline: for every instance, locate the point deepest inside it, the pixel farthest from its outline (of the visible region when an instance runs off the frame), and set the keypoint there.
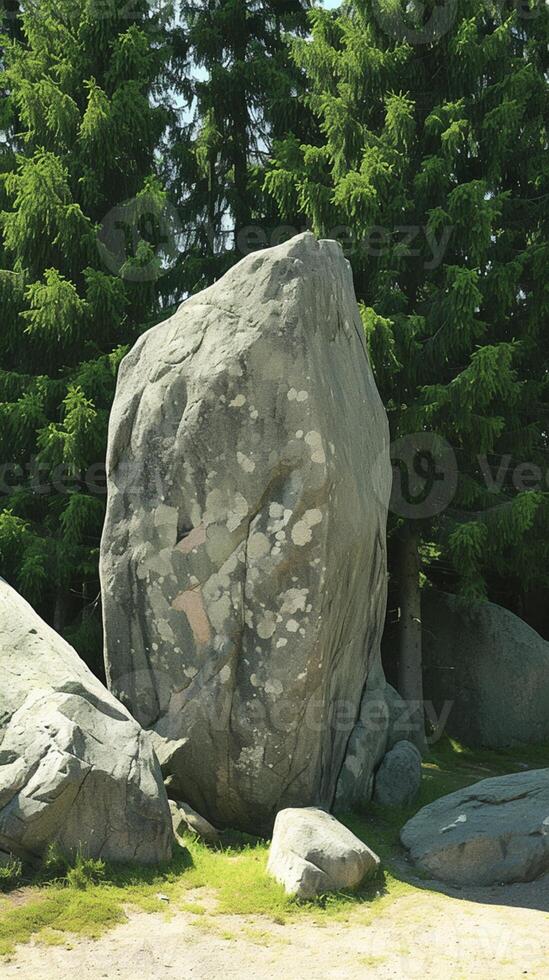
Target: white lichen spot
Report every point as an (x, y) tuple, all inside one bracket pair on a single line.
[(254, 680), (238, 402), (266, 626), (312, 517), (282, 642), (292, 626), (237, 512), (313, 439), (302, 396), (165, 515), (299, 434), (301, 533), (258, 545), (273, 687), (292, 395), (276, 511), (225, 674), (294, 600), (245, 462), (251, 758)]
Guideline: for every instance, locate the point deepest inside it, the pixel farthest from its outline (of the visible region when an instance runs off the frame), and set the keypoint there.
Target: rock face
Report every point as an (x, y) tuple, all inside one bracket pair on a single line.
[(491, 666), (494, 832), (311, 853), (243, 556), (75, 768), (398, 778)]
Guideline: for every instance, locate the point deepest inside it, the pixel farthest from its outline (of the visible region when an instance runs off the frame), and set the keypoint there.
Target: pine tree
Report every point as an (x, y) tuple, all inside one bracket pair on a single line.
[(432, 152), (78, 277), (243, 96)]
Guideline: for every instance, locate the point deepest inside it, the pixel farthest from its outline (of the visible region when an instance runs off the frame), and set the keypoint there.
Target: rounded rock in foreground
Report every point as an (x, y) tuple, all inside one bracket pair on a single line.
[(311, 853)]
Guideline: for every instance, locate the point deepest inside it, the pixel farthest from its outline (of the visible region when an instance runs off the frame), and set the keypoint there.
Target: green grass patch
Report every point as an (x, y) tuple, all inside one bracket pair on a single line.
[(88, 897), (11, 874)]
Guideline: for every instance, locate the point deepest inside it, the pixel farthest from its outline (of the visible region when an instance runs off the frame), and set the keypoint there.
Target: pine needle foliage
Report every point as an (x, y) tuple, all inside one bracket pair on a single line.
[(82, 118), (430, 164)]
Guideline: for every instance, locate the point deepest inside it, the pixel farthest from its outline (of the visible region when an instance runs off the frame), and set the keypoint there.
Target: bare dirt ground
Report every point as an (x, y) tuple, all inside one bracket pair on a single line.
[(494, 933)]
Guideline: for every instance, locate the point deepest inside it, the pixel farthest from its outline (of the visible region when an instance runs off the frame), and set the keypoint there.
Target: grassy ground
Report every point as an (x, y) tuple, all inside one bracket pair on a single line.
[(89, 898)]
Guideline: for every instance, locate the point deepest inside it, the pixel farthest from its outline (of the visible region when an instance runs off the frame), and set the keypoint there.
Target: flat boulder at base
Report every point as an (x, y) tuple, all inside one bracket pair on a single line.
[(311, 853), (494, 832), (398, 779), (75, 768), (489, 668), (243, 560)]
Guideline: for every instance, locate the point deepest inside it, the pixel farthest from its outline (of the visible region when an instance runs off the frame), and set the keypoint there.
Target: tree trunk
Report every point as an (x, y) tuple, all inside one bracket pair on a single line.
[(410, 676), (60, 611), (240, 147)]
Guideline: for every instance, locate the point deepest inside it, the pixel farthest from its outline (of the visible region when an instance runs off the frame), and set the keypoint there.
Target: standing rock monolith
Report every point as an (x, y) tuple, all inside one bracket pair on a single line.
[(75, 769), (243, 557)]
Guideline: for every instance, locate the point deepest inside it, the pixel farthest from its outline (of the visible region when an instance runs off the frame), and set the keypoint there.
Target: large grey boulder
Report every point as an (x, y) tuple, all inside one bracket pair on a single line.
[(311, 853), (243, 559), (398, 778), (75, 768), (495, 831), (490, 667)]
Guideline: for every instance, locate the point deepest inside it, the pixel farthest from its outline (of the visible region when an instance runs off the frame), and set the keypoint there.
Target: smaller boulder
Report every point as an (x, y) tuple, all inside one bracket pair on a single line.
[(185, 818), (75, 768), (312, 853), (494, 832), (398, 778)]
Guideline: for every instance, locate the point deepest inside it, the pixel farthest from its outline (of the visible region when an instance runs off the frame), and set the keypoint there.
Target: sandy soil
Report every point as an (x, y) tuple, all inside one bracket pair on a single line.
[(495, 933)]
